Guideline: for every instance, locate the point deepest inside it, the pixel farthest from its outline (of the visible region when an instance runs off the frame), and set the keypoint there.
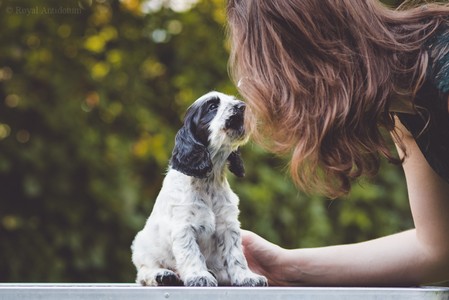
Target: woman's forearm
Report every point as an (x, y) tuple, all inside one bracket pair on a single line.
[(396, 260)]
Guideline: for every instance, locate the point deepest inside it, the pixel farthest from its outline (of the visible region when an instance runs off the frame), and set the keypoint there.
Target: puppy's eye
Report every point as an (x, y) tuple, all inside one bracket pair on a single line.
[(213, 106)]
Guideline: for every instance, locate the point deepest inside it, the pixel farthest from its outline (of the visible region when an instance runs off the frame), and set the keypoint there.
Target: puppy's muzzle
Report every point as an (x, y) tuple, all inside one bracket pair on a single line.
[(235, 121)]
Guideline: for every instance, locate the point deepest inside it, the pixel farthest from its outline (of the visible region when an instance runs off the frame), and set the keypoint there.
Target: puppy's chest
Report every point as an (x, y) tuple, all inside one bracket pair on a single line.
[(209, 209)]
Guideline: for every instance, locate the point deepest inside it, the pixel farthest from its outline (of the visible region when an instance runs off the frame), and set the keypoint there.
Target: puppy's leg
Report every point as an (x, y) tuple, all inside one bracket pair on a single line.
[(230, 244), (190, 263), (150, 270)]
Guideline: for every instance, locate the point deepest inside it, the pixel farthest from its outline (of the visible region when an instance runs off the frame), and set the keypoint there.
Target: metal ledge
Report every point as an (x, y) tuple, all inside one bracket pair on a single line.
[(136, 292)]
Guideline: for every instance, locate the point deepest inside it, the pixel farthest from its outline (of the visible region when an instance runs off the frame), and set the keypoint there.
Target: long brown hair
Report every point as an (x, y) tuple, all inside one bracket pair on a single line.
[(319, 77)]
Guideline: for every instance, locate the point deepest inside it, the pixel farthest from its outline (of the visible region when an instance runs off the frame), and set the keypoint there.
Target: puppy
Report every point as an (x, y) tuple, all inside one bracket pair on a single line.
[(192, 236)]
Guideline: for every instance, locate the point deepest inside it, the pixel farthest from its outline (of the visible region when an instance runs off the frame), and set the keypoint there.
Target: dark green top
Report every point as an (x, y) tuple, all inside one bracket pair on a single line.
[(433, 138)]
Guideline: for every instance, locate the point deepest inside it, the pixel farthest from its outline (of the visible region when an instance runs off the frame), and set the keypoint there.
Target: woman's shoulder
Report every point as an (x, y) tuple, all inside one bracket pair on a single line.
[(430, 126), (432, 140)]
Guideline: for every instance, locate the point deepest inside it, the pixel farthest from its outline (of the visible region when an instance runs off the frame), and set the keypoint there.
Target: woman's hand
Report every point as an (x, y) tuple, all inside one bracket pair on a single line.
[(264, 258)]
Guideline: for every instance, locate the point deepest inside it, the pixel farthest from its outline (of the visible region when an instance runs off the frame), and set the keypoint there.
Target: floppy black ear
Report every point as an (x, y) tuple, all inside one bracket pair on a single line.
[(235, 164), (190, 156)]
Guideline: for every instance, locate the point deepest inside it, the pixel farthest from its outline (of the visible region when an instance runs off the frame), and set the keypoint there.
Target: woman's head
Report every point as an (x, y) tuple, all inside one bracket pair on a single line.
[(319, 76)]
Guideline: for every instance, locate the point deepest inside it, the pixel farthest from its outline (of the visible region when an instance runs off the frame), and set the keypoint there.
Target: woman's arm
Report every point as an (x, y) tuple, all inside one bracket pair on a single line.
[(417, 256), (429, 201)]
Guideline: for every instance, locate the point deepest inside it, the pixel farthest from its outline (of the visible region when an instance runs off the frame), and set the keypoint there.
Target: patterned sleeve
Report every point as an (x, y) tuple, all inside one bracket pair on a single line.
[(438, 48)]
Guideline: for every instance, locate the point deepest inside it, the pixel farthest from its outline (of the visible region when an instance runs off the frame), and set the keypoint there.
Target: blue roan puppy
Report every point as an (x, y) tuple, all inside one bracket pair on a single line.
[(192, 236)]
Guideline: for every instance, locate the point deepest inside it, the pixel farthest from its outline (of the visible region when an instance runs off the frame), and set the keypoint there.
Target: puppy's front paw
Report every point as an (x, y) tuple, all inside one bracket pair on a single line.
[(202, 279), (168, 278), (159, 277), (251, 280)]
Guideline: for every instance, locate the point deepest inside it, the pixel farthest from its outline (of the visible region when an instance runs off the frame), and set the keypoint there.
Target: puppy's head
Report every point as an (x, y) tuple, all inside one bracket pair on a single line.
[(213, 127)]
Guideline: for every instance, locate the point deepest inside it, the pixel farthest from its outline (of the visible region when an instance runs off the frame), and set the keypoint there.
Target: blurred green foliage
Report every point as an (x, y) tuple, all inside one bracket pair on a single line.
[(92, 93)]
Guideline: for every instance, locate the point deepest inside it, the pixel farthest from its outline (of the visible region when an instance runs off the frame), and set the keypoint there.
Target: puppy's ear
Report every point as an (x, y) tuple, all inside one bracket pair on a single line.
[(190, 156), (235, 164)]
